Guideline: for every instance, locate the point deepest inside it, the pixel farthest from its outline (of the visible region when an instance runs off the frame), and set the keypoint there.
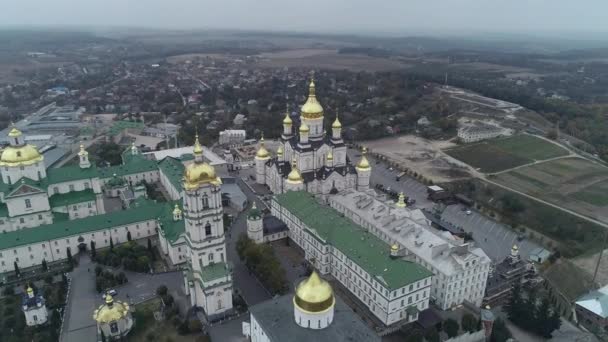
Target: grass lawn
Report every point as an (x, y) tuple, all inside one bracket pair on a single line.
[(487, 158), (597, 196), (504, 153), (529, 146)]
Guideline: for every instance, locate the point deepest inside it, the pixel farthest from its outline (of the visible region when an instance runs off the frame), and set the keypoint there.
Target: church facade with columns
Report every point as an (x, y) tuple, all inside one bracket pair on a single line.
[(310, 159)]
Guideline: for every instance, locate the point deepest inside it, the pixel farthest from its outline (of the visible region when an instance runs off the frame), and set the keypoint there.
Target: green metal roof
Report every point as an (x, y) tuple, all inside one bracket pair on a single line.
[(214, 271), (70, 173), (60, 200), (89, 224), (41, 185), (171, 229), (174, 170), (360, 246), (135, 166)]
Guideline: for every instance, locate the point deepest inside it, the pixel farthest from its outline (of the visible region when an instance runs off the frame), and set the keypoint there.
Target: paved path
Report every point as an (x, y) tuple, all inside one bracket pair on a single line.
[(79, 325)]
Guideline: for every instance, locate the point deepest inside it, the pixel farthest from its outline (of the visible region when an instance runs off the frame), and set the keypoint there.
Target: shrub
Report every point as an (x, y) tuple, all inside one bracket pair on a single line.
[(161, 290), (195, 326)]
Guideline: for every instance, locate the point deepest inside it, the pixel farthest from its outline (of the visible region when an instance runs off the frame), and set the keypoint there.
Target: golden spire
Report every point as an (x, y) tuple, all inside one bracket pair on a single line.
[(198, 149), (30, 290), (394, 248), (287, 121), (363, 164), (294, 176), (312, 109), (337, 123), (401, 202), (330, 156)]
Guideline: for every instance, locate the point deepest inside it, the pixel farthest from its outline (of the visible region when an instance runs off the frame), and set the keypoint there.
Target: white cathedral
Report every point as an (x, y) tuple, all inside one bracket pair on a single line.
[(310, 159)]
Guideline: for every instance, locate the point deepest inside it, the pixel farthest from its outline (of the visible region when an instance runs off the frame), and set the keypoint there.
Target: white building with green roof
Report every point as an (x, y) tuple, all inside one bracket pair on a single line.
[(45, 214), (460, 269), (392, 288)]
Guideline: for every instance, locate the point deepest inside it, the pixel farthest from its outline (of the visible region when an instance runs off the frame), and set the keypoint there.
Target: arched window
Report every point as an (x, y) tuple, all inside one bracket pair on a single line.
[(205, 201)]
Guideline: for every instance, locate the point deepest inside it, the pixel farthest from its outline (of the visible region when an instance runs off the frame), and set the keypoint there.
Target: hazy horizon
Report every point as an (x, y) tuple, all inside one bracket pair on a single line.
[(519, 17)]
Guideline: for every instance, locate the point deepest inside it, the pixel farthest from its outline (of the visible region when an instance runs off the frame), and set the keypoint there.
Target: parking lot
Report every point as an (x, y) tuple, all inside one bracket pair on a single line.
[(382, 174), (493, 237)]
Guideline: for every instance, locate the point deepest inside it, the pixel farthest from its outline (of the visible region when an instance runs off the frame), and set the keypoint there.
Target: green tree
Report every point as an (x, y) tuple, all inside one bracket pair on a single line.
[(93, 250), (45, 267), (515, 305), (129, 236), (415, 336), (17, 271), (162, 290), (468, 322), (432, 335), (68, 252), (542, 315), (451, 327), (500, 333), (111, 244)]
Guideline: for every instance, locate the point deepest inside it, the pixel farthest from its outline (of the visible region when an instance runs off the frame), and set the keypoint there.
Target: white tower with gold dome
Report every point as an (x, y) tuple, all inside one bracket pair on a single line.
[(207, 279), (83, 158), (113, 319), (255, 225), (364, 171), (261, 157), (313, 303), (312, 113), (34, 308), (21, 160)]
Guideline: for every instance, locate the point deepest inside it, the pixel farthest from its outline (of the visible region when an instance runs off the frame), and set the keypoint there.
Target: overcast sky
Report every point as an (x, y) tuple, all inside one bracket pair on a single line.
[(357, 16)]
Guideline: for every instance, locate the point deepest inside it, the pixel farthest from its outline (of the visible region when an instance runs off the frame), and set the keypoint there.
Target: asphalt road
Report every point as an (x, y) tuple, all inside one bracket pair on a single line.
[(381, 174), (496, 239)]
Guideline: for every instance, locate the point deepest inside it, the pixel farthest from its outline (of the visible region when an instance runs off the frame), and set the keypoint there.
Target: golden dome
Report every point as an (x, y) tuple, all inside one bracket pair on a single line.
[(337, 123), (304, 128), (198, 149), (14, 132), (314, 295), (401, 202), (30, 290), (363, 164), (262, 153), (312, 109), (287, 120), (294, 177), (280, 151), (111, 311), (177, 210), (394, 248), (200, 173), (330, 156), (82, 152), (20, 156)]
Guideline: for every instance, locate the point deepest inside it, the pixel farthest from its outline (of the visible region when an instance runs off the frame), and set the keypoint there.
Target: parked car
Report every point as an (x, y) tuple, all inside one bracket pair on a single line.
[(111, 292)]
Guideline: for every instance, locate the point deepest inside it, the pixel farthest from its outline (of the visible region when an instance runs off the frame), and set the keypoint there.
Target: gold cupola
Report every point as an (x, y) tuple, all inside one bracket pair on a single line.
[(337, 124), (262, 153), (363, 164), (287, 120), (330, 156), (294, 177), (280, 151), (311, 109), (111, 311), (401, 201), (82, 151), (314, 295), (14, 132), (19, 153), (177, 210), (304, 127), (199, 172)]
